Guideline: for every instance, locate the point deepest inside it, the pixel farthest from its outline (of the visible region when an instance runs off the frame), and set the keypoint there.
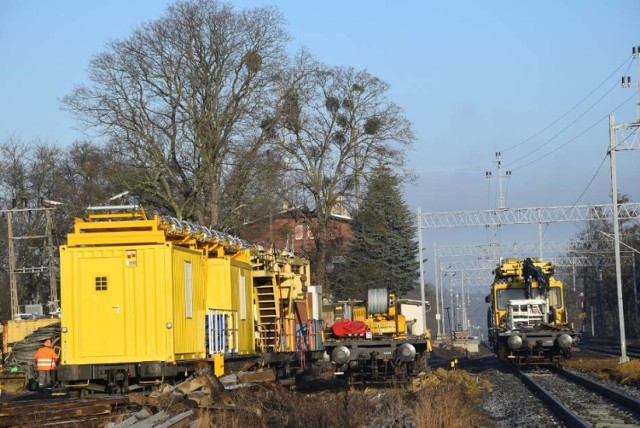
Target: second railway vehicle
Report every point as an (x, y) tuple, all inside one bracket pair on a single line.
[(373, 342), (527, 318)]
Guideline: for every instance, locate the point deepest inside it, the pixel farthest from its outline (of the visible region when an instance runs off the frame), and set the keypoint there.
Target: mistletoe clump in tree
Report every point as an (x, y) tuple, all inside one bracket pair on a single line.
[(383, 252)]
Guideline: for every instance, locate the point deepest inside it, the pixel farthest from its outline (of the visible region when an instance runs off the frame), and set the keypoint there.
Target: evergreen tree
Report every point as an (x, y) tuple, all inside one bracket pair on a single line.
[(384, 251)]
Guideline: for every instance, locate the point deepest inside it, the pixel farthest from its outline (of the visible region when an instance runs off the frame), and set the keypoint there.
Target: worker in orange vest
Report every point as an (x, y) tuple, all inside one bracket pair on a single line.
[(45, 358)]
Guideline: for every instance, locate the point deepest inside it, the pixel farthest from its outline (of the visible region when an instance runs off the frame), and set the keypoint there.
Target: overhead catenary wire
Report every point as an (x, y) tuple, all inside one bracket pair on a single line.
[(590, 181), (458, 169), (628, 60), (571, 140), (595, 174), (469, 168), (513, 165), (580, 116), (557, 134)]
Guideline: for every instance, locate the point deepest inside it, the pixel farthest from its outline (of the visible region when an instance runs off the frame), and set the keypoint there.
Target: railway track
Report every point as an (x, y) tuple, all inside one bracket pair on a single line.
[(37, 411), (582, 402), (632, 352)]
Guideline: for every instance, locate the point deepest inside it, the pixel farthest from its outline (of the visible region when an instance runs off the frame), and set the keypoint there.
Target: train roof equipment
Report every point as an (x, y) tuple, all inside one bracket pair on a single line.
[(130, 224)]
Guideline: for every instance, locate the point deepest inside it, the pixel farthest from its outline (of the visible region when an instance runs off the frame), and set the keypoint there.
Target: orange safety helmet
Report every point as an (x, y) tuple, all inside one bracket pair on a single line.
[(47, 343)]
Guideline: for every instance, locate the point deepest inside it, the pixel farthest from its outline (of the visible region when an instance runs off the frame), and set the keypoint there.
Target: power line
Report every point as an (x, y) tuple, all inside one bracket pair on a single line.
[(575, 137), (596, 174), (454, 168), (557, 134), (571, 109), (590, 181)]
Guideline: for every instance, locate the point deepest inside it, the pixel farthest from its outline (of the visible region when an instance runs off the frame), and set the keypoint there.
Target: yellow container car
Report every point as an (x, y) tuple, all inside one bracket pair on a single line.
[(131, 303), (144, 299), (229, 303)]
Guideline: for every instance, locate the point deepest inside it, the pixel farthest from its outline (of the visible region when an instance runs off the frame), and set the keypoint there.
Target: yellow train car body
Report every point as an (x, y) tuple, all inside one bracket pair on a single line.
[(229, 292), (527, 317), (128, 295), (502, 290)]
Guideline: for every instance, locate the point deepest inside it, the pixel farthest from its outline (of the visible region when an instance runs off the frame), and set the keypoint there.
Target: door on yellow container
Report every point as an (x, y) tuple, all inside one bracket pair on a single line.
[(101, 307)]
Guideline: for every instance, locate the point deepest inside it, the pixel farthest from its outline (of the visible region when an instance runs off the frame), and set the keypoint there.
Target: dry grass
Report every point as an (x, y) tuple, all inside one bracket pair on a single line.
[(449, 399), (443, 399), (609, 369), (279, 407)]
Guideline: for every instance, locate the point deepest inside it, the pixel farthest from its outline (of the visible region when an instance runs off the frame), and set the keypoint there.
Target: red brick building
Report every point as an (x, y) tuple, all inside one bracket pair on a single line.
[(292, 230)]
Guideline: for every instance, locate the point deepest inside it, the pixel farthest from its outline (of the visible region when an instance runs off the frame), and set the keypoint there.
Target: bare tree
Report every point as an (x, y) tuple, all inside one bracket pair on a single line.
[(181, 100), (594, 242), (29, 174), (88, 177), (338, 125), (14, 157)]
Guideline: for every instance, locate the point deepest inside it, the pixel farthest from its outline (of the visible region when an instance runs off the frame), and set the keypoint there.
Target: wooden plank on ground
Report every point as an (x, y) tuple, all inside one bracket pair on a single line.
[(49, 414), (255, 377), (144, 400), (152, 421), (190, 384), (144, 413), (175, 419)]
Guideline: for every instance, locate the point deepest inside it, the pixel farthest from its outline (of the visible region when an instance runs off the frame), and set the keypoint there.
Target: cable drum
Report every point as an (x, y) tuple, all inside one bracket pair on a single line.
[(377, 301)]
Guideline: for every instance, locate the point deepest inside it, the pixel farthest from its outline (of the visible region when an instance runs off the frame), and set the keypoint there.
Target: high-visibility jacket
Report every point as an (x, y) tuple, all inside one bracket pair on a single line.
[(45, 358)]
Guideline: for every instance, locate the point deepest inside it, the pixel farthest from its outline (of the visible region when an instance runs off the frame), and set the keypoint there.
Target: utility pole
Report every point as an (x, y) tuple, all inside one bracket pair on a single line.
[(437, 271), (616, 237), (48, 249), (450, 327), (507, 174), (53, 284), (464, 303), (501, 200), (13, 281), (601, 320), (613, 148), (422, 296), (635, 295)]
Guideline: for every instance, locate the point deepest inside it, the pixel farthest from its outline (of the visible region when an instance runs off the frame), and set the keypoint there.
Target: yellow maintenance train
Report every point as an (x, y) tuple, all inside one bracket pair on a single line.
[(148, 298), (527, 318)]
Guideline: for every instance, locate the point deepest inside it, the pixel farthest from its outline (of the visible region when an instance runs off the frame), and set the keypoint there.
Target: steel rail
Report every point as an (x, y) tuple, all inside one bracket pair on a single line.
[(610, 393), (562, 411), (613, 351)]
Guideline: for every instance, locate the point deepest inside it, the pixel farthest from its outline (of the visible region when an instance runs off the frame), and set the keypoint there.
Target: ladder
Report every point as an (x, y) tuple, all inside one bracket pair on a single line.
[(268, 312)]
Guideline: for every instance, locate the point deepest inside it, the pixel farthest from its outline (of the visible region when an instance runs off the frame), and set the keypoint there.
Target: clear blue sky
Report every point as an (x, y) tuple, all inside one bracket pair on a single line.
[(474, 77)]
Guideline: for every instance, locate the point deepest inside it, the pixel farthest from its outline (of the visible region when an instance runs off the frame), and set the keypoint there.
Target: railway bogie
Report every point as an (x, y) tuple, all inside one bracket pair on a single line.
[(361, 361)]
